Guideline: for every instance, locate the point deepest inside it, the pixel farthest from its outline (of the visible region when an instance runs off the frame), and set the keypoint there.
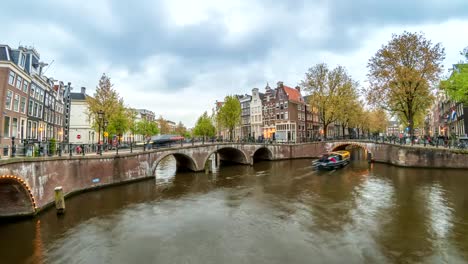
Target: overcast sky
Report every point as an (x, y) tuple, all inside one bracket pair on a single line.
[(177, 57)]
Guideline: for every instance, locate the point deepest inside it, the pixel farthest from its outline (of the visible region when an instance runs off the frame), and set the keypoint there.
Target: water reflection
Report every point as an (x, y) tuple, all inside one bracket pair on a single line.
[(273, 212)]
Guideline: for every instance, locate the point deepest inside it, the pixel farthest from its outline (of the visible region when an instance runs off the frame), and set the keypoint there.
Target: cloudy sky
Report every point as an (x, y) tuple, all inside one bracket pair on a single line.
[(177, 57)]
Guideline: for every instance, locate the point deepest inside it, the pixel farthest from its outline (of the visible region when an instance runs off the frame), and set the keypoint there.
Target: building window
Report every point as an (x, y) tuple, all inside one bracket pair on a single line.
[(25, 86), (23, 60), (31, 91), (40, 111), (41, 95), (8, 99), (6, 126), (36, 94), (34, 130), (28, 130), (23, 105), (16, 103), (14, 128), (35, 109), (11, 78), (19, 82), (30, 107), (286, 115)]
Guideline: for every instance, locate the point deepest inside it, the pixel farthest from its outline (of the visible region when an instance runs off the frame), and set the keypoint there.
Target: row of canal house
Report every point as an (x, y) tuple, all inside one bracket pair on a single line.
[(280, 114), (33, 105)]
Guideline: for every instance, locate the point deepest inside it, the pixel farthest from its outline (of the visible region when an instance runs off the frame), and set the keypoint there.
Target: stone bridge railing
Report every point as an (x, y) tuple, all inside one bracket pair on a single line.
[(30, 183)]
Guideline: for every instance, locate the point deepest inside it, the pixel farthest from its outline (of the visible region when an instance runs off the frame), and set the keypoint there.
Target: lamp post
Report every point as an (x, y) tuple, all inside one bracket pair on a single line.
[(103, 134), (60, 133), (100, 117), (13, 147), (40, 141)]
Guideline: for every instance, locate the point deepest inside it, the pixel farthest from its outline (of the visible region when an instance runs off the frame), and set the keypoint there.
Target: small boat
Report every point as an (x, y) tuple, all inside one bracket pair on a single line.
[(333, 160)]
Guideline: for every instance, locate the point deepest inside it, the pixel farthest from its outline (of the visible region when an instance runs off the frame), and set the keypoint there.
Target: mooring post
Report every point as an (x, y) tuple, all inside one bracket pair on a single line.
[(59, 200), (208, 167), (216, 159)]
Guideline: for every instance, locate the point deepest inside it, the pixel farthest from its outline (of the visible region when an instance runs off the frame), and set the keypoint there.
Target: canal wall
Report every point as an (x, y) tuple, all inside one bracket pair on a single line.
[(27, 184), (420, 157)]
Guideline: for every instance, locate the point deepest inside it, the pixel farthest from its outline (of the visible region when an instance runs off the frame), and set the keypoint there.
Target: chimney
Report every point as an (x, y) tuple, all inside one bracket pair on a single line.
[(298, 88), (83, 90)]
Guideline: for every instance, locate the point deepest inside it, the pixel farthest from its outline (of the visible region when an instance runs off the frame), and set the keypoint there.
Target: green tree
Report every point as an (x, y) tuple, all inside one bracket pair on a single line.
[(229, 115), (456, 85), (330, 92), (107, 100), (402, 73), (204, 127), (146, 128)]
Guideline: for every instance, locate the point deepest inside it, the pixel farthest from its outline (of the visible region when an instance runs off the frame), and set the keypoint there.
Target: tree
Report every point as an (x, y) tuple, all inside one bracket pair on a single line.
[(330, 92), (163, 125), (107, 100), (456, 85), (204, 127), (402, 73), (180, 129), (349, 117), (378, 121), (146, 128), (229, 115)]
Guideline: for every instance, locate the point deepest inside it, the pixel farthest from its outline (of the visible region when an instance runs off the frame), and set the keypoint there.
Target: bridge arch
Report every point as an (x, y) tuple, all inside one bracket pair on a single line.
[(16, 197), (229, 154), (183, 162), (343, 145), (262, 153)]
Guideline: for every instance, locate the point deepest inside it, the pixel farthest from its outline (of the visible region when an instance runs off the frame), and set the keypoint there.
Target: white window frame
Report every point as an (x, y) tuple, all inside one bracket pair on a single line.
[(8, 104), (12, 74), (20, 85), (16, 103), (25, 86)]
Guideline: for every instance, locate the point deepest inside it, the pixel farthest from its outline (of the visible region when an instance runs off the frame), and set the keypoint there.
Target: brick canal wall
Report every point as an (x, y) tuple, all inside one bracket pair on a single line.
[(73, 174), (27, 185), (419, 157)]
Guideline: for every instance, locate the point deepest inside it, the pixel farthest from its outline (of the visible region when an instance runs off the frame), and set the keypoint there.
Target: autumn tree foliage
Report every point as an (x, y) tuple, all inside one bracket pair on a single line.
[(332, 92), (164, 127), (402, 74), (107, 100)]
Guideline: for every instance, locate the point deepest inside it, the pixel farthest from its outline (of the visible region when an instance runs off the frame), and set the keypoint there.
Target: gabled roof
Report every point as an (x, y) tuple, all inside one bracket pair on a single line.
[(293, 94)]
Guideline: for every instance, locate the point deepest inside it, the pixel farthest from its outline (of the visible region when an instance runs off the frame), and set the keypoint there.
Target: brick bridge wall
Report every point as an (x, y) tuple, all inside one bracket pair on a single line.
[(31, 182)]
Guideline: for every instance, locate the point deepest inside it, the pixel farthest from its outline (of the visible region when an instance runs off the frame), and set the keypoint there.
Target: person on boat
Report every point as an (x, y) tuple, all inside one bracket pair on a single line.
[(332, 159)]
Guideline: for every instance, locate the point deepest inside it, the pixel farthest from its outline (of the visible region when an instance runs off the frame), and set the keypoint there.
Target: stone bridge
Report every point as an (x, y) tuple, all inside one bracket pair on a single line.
[(27, 184)]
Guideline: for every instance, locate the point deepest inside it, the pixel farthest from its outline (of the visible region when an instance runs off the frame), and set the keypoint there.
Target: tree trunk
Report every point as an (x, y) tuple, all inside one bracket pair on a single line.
[(411, 132), (325, 130), (343, 128)]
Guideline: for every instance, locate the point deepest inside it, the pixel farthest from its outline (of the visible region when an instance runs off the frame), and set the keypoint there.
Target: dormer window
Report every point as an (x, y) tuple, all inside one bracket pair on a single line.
[(23, 60)]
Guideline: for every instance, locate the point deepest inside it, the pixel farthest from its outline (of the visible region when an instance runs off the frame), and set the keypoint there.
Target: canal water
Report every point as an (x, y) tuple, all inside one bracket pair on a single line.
[(272, 212)]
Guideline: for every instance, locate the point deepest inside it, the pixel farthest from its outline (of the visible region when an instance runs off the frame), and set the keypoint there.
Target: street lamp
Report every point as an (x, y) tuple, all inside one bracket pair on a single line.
[(103, 134), (60, 133), (100, 118)]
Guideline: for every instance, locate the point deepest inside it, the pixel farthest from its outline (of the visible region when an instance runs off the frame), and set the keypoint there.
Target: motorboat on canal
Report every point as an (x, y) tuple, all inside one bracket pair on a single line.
[(333, 160)]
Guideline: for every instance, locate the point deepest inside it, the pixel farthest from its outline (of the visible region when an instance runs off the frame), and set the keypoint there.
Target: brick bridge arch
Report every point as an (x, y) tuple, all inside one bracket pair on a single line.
[(342, 146), (183, 162), (16, 197), (262, 153), (229, 153)]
